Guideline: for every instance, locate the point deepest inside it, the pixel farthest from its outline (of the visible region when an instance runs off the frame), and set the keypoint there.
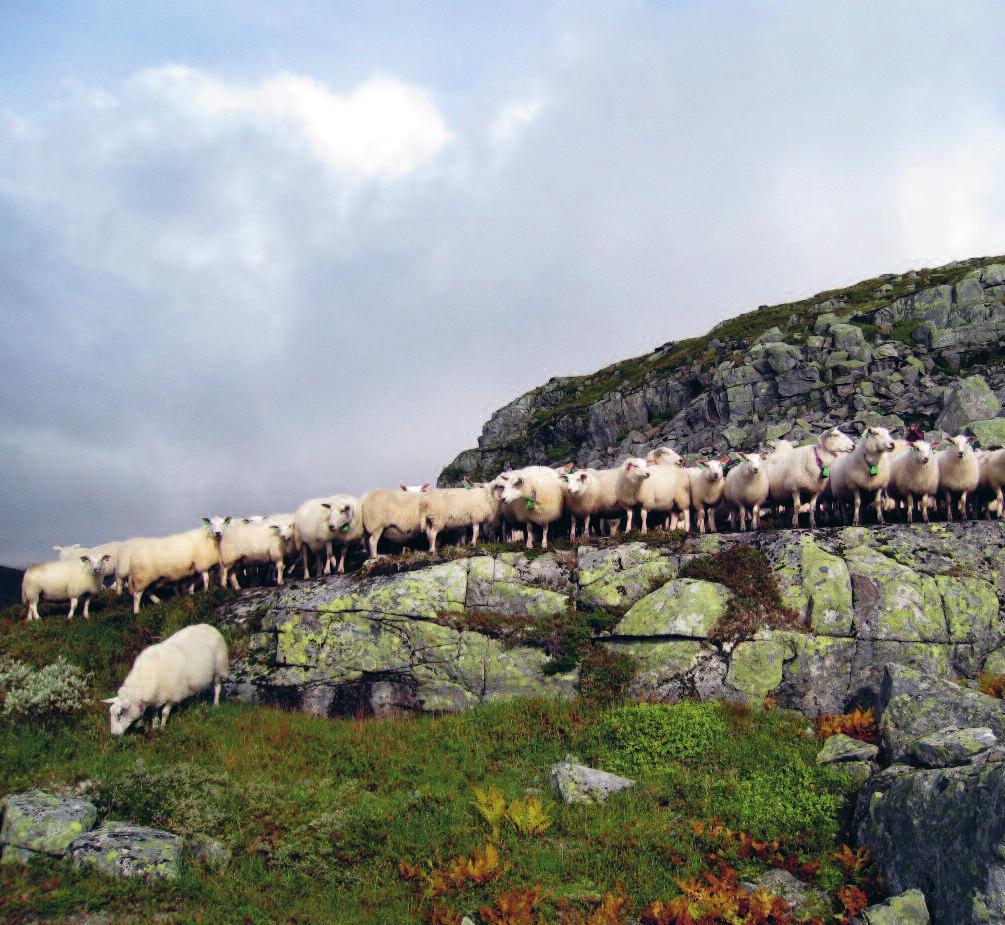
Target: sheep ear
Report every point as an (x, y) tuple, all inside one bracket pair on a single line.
[(326, 505), (83, 559), (724, 460), (106, 557), (275, 529), (425, 486), (206, 521), (402, 486), (226, 521), (57, 548)]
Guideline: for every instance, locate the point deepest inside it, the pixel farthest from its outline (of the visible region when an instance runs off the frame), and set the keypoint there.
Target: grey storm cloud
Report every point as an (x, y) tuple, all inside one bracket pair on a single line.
[(227, 295)]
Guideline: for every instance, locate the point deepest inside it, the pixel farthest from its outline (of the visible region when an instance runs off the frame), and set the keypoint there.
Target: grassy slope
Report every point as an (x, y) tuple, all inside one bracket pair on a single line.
[(319, 813)]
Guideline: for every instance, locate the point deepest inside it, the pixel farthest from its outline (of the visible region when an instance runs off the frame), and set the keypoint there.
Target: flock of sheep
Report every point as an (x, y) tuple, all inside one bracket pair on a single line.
[(891, 474)]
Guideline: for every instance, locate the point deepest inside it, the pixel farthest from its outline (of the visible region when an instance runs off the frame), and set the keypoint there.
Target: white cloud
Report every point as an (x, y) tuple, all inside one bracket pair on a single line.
[(512, 118), (384, 128)]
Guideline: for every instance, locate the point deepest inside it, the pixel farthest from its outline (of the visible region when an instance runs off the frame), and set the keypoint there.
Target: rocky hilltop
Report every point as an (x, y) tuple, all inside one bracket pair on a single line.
[(920, 348)]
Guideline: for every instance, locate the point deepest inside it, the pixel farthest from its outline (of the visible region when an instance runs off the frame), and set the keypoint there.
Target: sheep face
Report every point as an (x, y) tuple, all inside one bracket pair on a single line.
[(284, 529), (961, 446), (576, 482), (636, 469), (834, 441), (123, 713), (99, 565), (515, 489), (711, 470), (663, 456), (754, 462), (340, 518), (921, 452), (216, 525), (499, 483), (878, 440)]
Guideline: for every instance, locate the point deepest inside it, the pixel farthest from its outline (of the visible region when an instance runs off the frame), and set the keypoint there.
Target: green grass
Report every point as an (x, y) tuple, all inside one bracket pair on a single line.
[(319, 813)]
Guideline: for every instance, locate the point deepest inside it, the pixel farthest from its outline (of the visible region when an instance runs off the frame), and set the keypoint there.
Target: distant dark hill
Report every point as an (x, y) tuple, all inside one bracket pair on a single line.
[(10, 586)]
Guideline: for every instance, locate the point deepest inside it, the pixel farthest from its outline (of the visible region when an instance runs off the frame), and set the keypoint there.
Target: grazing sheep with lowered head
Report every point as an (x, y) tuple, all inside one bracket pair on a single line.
[(167, 673)]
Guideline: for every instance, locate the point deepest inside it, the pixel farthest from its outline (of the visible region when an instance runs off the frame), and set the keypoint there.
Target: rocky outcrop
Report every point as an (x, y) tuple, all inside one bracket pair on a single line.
[(120, 849), (887, 351), (36, 822), (926, 597)]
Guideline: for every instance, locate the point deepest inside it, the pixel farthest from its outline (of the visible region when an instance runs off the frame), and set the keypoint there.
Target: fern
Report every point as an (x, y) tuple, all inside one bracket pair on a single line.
[(517, 907), (529, 816), (490, 802), (859, 724)]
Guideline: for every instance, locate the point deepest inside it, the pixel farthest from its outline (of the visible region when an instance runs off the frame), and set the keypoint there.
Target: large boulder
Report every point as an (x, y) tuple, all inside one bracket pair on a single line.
[(43, 823), (913, 704), (951, 746), (622, 575), (940, 831), (967, 400), (682, 607), (908, 908), (840, 748), (123, 850), (990, 433)]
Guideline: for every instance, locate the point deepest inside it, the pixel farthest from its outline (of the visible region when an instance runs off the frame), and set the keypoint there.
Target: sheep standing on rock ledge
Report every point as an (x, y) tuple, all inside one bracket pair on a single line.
[(866, 468), (536, 492), (959, 473), (168, 672)]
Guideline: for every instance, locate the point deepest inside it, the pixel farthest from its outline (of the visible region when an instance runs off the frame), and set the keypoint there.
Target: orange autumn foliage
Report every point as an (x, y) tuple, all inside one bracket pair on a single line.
[(859, 724)]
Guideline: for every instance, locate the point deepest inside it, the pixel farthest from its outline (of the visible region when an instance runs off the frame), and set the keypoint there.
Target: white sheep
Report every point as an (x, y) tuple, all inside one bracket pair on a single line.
[(391, 514), (458, 509), (864, 469), (145, 561), (793, 470), (536, 498), (256, 544), (666, 490), (992, 478), (746, 486), (914, 473), (66, 580), (345, 520), (591, 493), (167, 673), (705, 485), (109, 565), (313, 533), (632, 473), (959, 473)]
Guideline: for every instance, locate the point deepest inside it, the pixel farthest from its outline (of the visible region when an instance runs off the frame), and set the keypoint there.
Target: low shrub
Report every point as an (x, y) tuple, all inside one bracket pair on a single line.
[(53, 692), (859, 724), (756, 600), (645, 737), (605, 677)]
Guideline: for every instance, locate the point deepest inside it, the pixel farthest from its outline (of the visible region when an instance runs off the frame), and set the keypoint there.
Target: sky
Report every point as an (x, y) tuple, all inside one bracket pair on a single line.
[(253, 253)]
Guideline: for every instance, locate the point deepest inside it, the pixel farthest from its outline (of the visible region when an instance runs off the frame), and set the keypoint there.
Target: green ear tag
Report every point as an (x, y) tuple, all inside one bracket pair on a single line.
[(874, 470), (825, 472), (530, 504), (344, 528)]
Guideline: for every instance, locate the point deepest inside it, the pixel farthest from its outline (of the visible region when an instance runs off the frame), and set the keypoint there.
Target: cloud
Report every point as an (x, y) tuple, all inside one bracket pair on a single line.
[(229, 293)]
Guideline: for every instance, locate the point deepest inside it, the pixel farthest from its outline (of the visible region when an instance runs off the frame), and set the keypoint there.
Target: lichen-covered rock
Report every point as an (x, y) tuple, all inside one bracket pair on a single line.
[(755, 666), (577, 783), (44, 822), (827, 585), (682, 607), (941, 832), (844, 748), (893, 601), (509, 584), (946, 747), (123, 850), (913, 704), (908, 908), (622, 575), (816, 678), (797, 894), (990, 433), (967, 400)]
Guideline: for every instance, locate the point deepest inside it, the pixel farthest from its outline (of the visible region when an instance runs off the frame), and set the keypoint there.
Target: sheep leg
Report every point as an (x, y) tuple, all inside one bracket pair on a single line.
[(530, 535), (87, 607), (732, 520), (910, 507), (372, 540), (643, 516), (743, 519), (475, 531), (949, 505), (586, 527), (813, 511), (217, 686), (165, 711), (878, 504), (857, 509), (431, 539), (699, 513), (687, 520), (963, 505), (544, 536), (136, 601), (73, 607), (341, 561), (628, 521), (234, 583), (280, 567), (795, 509), (572, 529)]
